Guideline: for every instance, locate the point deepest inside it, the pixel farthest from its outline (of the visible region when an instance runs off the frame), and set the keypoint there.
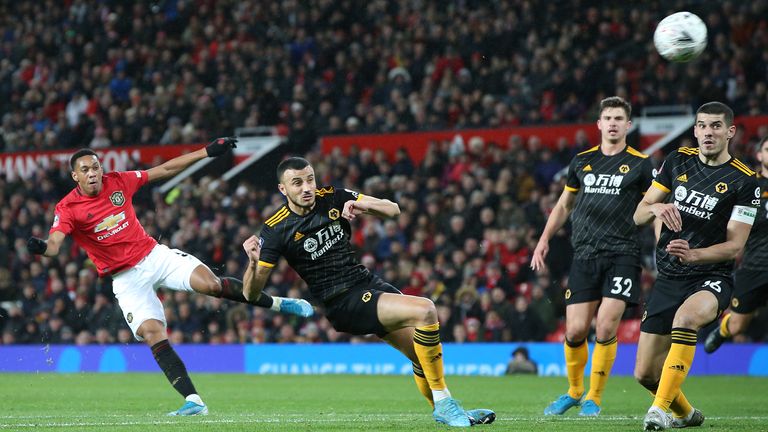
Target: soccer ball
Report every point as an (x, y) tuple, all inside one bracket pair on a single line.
[(680, 37)]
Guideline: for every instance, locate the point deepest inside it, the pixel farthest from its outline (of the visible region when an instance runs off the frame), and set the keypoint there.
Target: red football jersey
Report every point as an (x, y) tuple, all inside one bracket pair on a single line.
[(106, 225)]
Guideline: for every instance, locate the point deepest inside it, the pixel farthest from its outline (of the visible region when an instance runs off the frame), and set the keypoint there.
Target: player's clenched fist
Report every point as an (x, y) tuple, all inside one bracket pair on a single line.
[(219, 146), (351, 210), (36, 245), (252, 247)]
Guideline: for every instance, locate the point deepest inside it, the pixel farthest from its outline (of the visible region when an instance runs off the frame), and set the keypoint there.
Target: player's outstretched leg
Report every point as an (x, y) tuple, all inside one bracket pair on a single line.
[(232, 289), (716, 337)]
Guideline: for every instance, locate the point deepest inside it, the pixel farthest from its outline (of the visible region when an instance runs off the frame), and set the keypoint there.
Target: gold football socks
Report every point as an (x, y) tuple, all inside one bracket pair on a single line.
[(724, 332), (422, 384), (676, 366), (576, 354), (429, 350), (602, 363)]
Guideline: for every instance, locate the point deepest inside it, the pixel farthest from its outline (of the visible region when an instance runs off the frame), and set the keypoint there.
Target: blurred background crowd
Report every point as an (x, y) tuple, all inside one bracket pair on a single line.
[(110, 72), (106, 73)]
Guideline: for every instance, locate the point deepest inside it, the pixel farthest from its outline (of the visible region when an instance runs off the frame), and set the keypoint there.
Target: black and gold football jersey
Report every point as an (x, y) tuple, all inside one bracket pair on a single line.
[(756, 250), (316, 245), (707, 198), (608, 190)]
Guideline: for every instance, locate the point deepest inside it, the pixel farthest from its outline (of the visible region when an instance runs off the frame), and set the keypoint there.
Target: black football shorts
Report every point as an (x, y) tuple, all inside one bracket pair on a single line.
[(614, 277), (750, 290), (355, 311), (668, 294)]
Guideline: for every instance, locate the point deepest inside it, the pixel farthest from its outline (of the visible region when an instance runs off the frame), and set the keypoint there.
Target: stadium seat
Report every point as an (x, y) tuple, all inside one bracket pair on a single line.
[(629, 331)]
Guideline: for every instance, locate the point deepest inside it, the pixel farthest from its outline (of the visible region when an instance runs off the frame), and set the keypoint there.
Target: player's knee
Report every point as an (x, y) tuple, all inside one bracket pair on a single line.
[(687, 322), (427, 312), (646, 379), (152, 331), (210, 286), (576, 332), (606, 330)]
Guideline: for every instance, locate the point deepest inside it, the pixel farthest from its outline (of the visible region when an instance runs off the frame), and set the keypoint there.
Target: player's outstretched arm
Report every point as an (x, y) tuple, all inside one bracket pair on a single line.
[(652, 206), (48, 247), (556, 220), (255, 276), (382, 208), (736, 238), (216, 148)]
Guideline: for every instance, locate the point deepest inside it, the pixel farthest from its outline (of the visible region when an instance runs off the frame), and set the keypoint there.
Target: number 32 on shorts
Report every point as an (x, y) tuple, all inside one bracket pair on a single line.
[(622, 285)]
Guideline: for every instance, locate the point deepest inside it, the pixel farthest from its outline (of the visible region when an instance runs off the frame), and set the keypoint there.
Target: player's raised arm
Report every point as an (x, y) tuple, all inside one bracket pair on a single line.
[(556, 220), (216, 148), (382, 208), (48, 247), (256, 275), (652, 206)]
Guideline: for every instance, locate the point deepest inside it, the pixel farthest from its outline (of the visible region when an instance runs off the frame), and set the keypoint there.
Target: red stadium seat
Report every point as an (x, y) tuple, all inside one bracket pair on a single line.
[(629, 331)]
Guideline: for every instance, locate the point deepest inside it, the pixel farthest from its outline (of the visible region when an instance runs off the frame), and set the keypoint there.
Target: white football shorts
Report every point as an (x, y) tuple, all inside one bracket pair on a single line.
[(135, 288)]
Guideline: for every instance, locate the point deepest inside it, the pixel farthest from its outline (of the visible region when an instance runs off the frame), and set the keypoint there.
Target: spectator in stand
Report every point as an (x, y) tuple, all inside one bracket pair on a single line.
[(526, 325), (542, 306), (521, 363)]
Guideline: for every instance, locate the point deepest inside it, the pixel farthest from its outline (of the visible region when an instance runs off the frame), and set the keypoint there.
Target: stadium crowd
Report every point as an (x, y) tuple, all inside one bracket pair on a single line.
[(110, 73)]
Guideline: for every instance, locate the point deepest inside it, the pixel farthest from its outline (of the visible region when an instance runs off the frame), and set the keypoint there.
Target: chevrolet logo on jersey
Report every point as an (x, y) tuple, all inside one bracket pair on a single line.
[(110, 222), (721, 187), (624, 169), (695, 203), (606, 184), (683, 178)]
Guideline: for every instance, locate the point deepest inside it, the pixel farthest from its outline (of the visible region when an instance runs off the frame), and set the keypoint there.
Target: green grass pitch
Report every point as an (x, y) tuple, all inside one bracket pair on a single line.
[(138, 402)]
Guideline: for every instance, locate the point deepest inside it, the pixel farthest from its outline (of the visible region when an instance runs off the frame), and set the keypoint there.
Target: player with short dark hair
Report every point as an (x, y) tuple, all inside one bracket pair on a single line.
[(312, 231), (706, 201), (99, 215), (750, 280), (604, 185)]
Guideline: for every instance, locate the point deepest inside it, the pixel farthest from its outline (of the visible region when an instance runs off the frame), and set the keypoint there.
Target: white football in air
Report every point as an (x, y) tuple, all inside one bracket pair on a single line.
[(680, 37)]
